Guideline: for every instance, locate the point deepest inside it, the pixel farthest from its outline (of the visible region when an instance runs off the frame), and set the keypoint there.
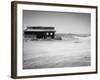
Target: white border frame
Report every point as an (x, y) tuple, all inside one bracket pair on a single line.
[(33, 72)]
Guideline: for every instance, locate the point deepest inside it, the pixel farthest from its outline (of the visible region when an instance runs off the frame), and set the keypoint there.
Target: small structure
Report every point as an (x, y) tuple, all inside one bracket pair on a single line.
[(39, 32)]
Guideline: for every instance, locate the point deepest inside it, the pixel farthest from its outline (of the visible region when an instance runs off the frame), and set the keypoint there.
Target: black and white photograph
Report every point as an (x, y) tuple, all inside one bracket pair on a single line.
[(53, 39), (56, 39)]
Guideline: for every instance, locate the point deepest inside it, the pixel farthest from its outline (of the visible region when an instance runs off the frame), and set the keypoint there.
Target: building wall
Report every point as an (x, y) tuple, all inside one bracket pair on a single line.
[(37, 35)]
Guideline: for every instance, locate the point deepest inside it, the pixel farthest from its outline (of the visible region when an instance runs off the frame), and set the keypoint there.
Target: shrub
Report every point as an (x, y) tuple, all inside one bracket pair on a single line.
[(58, 38)]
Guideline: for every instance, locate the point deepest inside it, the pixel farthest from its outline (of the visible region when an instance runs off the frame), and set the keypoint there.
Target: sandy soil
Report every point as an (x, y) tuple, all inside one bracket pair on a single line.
[(56, 54)]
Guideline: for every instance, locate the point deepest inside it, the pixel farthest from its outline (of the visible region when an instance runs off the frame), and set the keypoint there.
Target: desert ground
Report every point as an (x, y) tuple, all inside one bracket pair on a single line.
[(56, 53)]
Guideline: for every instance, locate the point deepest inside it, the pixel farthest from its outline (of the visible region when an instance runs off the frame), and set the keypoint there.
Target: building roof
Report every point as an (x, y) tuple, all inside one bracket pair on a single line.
[(40, 28)]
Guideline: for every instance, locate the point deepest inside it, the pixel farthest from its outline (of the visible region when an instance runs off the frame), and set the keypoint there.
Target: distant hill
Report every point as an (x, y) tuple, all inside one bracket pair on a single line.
[(71, 36)]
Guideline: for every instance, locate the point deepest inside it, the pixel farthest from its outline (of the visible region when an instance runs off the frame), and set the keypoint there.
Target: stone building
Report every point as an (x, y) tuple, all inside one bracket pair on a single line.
[(39, 32)]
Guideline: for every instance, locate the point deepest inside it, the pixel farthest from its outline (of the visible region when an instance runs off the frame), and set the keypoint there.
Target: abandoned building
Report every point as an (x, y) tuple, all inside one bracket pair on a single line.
[(39, 32)]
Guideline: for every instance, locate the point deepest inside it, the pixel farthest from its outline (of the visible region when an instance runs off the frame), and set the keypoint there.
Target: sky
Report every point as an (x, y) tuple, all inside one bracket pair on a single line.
[(64, 22)]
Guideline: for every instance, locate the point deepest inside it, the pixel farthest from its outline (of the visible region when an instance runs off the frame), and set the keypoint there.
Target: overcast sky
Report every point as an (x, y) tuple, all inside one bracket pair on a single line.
[(64, 22)]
